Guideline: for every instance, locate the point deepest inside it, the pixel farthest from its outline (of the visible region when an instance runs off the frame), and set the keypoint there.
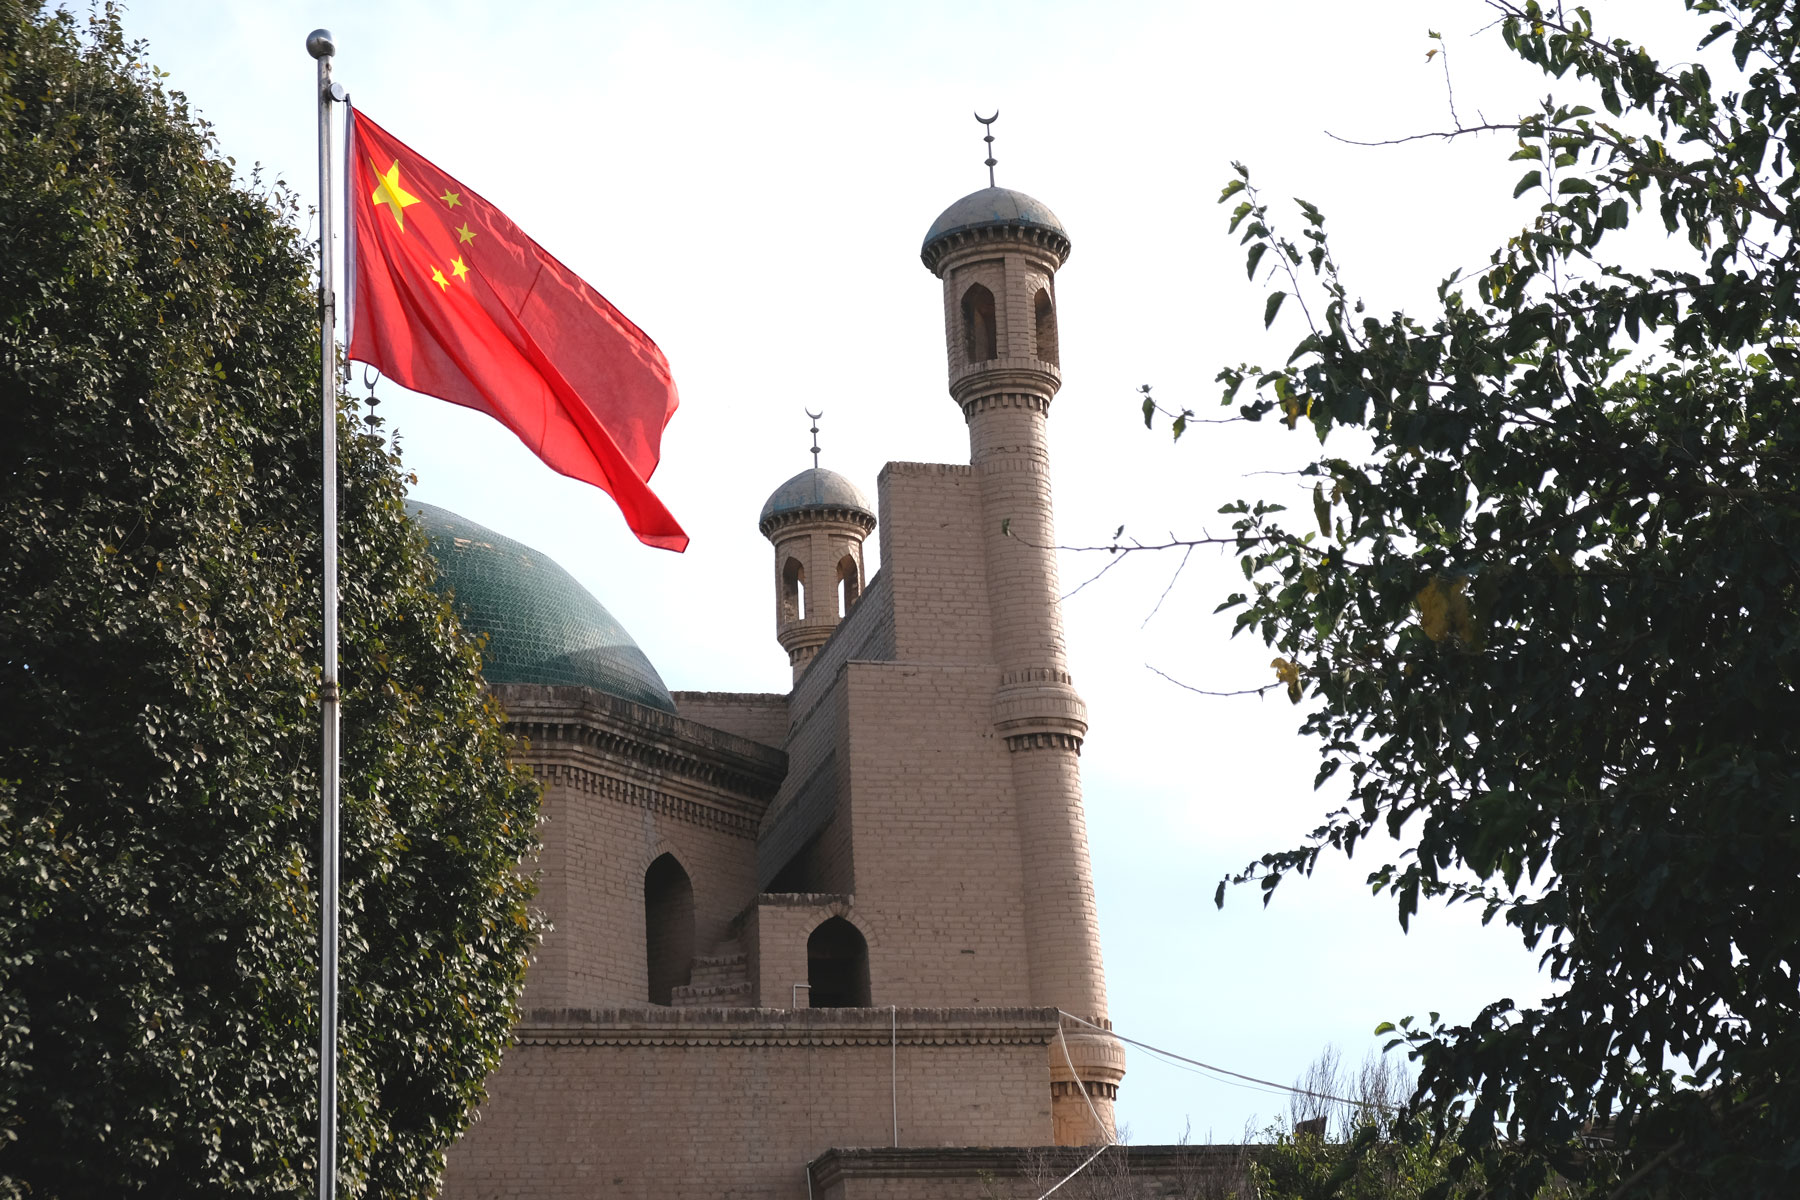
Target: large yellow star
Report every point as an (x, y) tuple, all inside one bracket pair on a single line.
[(390, 193), (437, 277), (458, 268)]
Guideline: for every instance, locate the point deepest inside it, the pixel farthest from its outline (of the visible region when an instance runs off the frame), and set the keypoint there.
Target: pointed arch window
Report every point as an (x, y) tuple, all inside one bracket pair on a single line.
[(849, 584), (980, 336), (1045, 308), (793, 590)]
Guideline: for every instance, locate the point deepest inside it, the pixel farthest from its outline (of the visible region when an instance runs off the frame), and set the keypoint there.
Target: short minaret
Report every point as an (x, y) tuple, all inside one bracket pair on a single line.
[(817, 522), (997, 252)]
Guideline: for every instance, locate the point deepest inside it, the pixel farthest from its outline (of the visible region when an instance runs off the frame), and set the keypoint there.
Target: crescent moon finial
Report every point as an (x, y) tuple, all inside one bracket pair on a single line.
[(987, 126), (815, 432)]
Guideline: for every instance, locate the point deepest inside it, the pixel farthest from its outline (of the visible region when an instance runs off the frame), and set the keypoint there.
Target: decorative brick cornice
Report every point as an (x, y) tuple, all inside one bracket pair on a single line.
[(787, 1027), (1035, 675), (1053, 242), (737, 820), (559, 721), (626, 753), (1043, 741), (852, 520), (977, 405)]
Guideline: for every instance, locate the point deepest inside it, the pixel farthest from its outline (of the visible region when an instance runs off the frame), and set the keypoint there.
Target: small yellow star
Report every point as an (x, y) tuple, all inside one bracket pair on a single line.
[(450, 198), (458, 268), (437, 277), (390, 193), (465, 234)]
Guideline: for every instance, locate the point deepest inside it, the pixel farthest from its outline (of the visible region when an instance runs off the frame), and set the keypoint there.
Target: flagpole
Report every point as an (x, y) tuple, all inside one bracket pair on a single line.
[(322, 47)]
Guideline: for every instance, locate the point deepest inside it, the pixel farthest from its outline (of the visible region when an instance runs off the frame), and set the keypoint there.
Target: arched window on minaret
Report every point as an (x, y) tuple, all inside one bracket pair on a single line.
[(1046, 328), (668, 927), (837, 966), (979, 335), (793, 590), (849, 584)]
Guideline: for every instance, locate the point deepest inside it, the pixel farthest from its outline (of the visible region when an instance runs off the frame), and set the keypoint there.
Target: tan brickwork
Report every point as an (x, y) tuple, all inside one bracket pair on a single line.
[(779, 924), (675, 1104), (931, 797), (934, 561), (759, 716)]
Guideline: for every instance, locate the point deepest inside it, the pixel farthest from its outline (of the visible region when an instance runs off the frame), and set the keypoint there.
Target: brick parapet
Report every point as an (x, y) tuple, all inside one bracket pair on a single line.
[(788, 1027), (761, 717), (1026, 1172)]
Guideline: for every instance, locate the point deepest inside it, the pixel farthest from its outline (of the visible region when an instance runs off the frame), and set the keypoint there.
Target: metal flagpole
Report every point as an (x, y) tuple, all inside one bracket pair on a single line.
[(321, 45)]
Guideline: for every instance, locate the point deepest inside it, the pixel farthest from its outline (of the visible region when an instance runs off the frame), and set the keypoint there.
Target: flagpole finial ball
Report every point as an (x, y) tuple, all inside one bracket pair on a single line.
[(320, 43)]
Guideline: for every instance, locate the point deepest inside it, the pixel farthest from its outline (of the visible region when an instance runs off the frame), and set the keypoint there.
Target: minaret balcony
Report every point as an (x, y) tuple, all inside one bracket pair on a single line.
[(995, 375)]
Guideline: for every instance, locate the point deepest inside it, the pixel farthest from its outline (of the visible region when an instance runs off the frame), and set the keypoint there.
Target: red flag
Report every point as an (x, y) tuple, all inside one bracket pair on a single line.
[(451, 299)]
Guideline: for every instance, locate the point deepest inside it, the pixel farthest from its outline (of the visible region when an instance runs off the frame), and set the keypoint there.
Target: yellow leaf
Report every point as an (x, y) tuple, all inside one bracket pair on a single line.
[(1288, 673), (1430, 54), (1444, 609)]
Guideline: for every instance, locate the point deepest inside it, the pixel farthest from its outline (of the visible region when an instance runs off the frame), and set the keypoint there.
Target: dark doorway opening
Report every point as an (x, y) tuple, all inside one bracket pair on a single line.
[(668, 927), (837, 966)]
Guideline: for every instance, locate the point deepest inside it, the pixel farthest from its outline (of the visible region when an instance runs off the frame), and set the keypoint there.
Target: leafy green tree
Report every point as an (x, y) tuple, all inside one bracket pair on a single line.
[(159, 642), (1544, 610)]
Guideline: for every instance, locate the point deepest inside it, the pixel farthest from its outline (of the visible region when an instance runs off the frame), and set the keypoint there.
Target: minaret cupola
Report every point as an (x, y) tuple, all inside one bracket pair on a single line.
[(817, 522)]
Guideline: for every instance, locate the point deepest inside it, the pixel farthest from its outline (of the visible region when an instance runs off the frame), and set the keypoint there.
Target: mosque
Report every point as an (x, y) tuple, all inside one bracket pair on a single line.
[(838, 943)]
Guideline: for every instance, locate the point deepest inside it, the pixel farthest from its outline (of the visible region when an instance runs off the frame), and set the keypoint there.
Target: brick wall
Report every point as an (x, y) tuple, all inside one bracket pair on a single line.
[(933, 561), (759, 716), (932, 814), (660, 1104)]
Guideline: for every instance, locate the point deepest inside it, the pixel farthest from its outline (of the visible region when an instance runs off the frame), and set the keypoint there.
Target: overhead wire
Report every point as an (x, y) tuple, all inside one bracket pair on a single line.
[(1251, 1079)]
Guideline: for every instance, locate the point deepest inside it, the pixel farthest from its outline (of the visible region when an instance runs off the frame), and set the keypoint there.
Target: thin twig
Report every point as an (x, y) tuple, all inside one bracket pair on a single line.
[(1091, 578), (1203, 692), (1182, 565)]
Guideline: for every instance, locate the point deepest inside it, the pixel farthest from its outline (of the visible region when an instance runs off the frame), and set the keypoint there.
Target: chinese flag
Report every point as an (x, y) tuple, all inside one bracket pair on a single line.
[(451, 299)]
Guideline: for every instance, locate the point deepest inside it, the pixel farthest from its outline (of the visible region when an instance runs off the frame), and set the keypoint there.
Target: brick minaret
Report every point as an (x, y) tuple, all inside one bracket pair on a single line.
[(817, 522), (997, 252)]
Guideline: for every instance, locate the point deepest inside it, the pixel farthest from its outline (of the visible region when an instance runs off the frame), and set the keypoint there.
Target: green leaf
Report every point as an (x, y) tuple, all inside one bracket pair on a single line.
[(1254, 257), (1526, 182), (1271, 307)]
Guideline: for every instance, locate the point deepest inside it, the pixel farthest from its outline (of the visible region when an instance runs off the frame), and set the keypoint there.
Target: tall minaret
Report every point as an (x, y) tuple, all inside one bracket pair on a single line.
[(997, 252), (817, 522)]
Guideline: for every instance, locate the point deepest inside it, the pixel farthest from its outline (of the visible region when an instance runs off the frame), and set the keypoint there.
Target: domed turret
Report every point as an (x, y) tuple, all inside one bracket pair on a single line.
[(994, 213), (542, 626), (817, 522), (814, 490)]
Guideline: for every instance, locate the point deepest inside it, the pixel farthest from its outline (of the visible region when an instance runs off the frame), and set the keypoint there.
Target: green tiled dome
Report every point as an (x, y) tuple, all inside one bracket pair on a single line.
[(542, 626)]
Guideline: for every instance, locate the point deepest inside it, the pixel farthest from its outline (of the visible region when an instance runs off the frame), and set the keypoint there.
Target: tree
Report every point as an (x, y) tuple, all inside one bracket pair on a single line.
[(1347, 1137), (159, 642), (1545, 616)]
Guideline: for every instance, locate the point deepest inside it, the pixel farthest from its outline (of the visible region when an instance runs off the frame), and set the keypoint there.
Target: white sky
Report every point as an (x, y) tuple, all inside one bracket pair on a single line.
[(750, 184)]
